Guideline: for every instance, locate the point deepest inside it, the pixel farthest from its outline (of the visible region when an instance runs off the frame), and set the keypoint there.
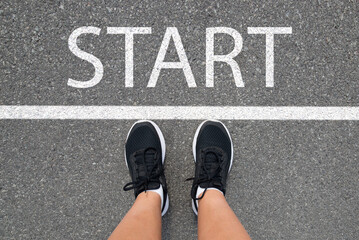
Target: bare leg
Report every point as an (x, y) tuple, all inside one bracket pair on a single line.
[(216, 220), (143, 220)]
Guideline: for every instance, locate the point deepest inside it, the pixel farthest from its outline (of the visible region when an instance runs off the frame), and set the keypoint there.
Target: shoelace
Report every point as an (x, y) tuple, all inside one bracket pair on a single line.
[(207, 177), (150, 176)]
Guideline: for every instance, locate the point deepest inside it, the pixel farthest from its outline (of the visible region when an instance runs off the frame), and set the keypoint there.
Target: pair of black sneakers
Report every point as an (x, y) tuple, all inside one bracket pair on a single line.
[(145, 154)]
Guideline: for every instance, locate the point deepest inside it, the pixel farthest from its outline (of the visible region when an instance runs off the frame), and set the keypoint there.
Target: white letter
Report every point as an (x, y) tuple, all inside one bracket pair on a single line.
[(85, 56), (211, 58), (129, 32), (269, 32), (183, 63)]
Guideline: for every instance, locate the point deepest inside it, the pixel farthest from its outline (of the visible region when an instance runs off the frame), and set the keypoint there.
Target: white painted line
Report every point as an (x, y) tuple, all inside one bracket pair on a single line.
[(178, 112)]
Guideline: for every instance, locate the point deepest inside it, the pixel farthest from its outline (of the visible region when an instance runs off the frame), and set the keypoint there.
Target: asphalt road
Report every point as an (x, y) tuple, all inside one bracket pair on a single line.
[(63, 179)]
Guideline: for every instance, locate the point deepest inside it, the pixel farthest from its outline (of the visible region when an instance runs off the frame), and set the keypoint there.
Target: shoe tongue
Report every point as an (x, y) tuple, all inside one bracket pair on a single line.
[(146, 159), (211, 160), (211, 156)]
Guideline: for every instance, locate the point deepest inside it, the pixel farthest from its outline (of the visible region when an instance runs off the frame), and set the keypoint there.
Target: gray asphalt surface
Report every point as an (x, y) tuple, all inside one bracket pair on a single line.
[(63, 179)]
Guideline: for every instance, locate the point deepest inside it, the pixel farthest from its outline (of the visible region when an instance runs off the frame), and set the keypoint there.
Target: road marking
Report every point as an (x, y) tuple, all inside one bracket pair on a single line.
[(178, 112), (269, 32)]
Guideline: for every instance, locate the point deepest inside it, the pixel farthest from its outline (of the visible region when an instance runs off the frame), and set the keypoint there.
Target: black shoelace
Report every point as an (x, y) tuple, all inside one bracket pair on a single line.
[(151, 165), (208, 175)]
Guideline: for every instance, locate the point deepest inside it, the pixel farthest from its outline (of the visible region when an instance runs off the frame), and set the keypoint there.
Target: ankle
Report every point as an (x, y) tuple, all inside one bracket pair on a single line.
[(212, 195), (201, 191), (149, 200), (149, 195)]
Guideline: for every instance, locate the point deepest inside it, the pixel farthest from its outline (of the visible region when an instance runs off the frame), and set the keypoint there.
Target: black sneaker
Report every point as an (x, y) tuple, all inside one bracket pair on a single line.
[(145, 154), (213, 155)]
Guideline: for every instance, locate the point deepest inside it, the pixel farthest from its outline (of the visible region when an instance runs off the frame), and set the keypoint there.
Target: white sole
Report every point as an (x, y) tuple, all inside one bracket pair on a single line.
[(167, 205), (194, 145), (163, 147)]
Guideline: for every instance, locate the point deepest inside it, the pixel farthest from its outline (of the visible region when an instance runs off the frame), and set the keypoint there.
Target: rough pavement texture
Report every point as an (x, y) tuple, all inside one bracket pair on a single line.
[(290, 179)]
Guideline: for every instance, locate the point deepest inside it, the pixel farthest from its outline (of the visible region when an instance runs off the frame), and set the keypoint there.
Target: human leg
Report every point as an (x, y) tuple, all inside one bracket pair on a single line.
[(142, 221), (216, 220)]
